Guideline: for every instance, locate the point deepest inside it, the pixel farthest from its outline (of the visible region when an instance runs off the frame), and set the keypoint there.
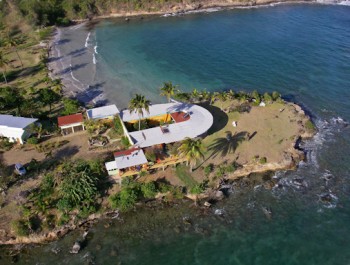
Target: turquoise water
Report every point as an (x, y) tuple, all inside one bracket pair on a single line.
[(303, 51)]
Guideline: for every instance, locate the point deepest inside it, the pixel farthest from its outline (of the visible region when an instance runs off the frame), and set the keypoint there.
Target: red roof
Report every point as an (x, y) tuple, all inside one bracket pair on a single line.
[(180, 116), (125, 152), (70, 119)]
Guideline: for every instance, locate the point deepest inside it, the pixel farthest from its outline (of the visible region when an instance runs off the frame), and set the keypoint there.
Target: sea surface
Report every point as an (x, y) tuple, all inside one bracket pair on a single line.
[(302, 51)]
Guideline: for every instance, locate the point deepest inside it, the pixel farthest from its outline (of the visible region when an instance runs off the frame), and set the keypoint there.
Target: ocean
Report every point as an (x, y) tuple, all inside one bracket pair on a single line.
[(302, 51)]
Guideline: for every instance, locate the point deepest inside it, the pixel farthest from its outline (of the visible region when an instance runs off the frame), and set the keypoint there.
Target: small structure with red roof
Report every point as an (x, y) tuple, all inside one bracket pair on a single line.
[(71, 123)]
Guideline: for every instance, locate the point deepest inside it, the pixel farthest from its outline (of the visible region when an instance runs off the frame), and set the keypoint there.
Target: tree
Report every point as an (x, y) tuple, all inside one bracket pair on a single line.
[(195, 95), (11, 98), (3, 63), (168, 90), (139, 104), (192, 150), (48, 97), (71, 106), (13, 43), (222, 97), (267, 97), (276, 95), (231, 94)]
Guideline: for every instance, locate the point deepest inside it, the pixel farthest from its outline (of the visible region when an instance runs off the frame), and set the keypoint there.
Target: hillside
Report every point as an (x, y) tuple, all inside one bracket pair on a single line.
[(61, 12)]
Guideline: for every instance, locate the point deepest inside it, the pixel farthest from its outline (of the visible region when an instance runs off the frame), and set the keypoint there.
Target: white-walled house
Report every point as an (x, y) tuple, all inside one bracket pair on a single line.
[(105, 112), (16, 129)]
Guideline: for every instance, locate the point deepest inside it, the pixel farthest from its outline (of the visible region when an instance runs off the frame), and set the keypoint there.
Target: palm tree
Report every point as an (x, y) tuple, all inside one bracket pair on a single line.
[(13, 43), (195, 95), (138, 104), (230, 94), (213, 97), (168, 90), (192, 150), (222, 97), (205, 95), (3, 63)]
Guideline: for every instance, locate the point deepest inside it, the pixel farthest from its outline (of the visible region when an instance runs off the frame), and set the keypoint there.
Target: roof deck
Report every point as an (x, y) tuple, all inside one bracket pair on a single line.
[(195, 122), (102, 112)]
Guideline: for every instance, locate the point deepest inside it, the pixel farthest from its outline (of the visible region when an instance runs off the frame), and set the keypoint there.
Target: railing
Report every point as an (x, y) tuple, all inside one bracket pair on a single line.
[(161, 164)]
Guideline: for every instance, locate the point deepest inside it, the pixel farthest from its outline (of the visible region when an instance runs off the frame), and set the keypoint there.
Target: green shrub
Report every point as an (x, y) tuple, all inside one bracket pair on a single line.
[(151, 156), (230, 168), (125, 142), (5, 144), (178, 192), (124, 200), (118, 127), (197, 189), (263, 160), (310, 126), (32, 140), (63, 219), (164, 187), (208, 169), (20, 227), (276, 96), (267, 97), (143, 125), (149, 190)]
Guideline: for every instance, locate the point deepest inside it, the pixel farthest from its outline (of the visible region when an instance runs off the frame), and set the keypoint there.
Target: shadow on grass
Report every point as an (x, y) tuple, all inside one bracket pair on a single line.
[(12, 75), (220, 118), (227, 145)]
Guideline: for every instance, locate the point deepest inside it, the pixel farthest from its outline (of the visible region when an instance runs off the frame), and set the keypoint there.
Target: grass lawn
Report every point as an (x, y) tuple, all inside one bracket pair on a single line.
[(271, 132), (185, 176)]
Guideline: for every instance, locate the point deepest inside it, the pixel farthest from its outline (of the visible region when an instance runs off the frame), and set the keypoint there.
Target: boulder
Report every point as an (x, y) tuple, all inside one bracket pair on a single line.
[(76, 248)]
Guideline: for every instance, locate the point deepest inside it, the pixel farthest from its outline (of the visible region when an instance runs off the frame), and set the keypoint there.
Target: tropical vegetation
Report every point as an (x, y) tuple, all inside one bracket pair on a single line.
[(139, 104)]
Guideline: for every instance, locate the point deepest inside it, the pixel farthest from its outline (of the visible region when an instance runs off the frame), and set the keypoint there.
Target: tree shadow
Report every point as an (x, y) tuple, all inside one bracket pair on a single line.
[(92, 93), (71, 68), (62, 41), (77, 52), (220, 118), (65, 152), (227, 145)]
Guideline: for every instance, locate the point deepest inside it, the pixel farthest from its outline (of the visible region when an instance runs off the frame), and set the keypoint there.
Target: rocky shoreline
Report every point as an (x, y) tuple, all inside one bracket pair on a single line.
[(204, 6)]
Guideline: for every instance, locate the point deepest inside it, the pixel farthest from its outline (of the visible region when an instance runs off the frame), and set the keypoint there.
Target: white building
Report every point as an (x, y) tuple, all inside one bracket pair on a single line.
[(126, 159), (16, 129), (105, 112)]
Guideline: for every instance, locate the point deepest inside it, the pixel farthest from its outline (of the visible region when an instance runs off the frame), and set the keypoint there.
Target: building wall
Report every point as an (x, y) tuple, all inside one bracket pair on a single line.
[(13, 134)]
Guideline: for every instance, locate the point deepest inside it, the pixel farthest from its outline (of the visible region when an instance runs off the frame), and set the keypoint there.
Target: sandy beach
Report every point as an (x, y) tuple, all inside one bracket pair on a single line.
[(72, 59)]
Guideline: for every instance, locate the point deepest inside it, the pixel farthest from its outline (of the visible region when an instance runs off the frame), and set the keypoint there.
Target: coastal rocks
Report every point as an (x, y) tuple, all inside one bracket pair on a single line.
[(76, 248), (219, 212), (219, 195), (267, 211)]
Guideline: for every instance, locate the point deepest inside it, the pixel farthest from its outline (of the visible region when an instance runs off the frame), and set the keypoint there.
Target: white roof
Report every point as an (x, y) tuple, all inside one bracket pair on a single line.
[(102, 112), (15, 122), (199, 123), (134, 158), (111, 165), (154, 110)]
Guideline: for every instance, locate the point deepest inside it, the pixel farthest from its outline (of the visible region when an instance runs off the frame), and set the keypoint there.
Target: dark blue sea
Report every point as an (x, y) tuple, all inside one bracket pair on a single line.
[(302, 51)]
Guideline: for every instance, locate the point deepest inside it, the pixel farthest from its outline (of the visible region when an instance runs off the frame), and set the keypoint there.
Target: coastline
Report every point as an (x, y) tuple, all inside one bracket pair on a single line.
[(290, 161), (68, 80), (88, 89), (211, 6)]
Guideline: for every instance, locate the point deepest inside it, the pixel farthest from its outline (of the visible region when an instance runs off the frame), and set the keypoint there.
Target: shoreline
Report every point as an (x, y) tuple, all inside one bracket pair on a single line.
[(291, 162), (294, 155), (90, 92), (180, 9)]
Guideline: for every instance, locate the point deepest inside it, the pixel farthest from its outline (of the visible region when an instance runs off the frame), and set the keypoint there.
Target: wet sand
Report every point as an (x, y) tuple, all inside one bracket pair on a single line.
[(72, 58)]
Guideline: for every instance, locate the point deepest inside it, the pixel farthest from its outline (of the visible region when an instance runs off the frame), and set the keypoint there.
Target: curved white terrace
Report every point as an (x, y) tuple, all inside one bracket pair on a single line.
[(197, 125)]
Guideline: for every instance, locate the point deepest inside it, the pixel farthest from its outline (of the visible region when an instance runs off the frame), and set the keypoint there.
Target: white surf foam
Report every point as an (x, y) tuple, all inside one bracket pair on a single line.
[(95, 48), (344, 3), (93, 59), (87, 40)]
